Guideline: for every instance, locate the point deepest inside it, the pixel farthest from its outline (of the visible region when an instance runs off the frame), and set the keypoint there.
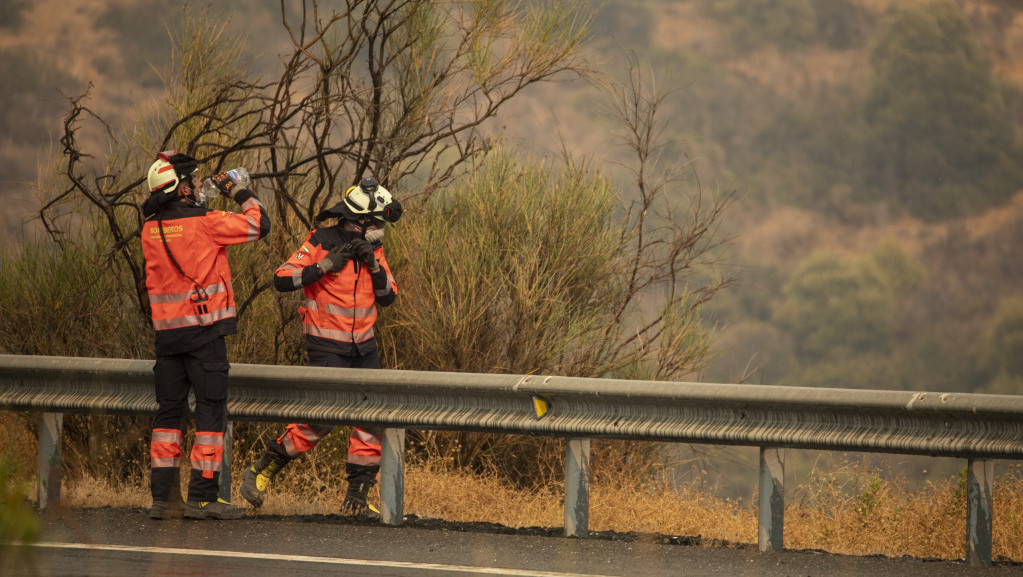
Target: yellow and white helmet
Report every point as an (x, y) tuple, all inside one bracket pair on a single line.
[(367, 200), (168, 170)]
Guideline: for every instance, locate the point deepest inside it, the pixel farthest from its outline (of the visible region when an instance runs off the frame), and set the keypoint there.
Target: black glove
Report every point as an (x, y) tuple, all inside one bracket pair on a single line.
[(363, 250), (335, 259), (224, 182)]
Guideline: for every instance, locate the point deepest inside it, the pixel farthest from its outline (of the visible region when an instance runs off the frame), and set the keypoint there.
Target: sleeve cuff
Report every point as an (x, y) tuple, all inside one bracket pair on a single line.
[(242, 195)]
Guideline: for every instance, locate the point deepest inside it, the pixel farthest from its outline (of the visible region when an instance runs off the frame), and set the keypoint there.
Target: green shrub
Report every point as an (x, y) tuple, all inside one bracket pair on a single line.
[(834, 308), (59, 300), (516, 270), (939, 139)]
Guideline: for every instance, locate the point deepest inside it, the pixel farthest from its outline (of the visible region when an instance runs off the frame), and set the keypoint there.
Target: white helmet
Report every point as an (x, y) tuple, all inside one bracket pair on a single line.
[(369, 199), (168, 170)]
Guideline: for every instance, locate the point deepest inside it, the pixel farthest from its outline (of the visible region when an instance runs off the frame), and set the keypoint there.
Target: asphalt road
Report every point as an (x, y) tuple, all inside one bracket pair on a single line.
[(126, 543)]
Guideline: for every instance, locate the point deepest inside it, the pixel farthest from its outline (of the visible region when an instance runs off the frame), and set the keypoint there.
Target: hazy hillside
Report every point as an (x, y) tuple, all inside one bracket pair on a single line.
[(792, 103)]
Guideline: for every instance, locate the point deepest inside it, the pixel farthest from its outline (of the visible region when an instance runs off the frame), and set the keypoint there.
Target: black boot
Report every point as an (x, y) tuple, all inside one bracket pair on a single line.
[(167, 502), (257, 478), (361, 479)]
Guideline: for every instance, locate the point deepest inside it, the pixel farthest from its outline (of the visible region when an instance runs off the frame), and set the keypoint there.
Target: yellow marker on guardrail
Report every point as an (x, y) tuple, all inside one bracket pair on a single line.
[(541, 406)]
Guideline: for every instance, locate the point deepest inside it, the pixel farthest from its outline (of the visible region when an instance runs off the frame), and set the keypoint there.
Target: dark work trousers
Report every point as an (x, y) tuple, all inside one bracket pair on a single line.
[(364, 443), (204, 372)]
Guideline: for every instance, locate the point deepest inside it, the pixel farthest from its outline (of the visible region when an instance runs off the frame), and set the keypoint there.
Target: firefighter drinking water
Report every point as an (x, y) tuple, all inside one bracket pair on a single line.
[(345, 276), (192, 300)]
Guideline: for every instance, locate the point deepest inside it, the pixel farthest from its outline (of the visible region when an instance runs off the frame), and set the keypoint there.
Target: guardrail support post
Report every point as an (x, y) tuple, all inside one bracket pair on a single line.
[(980, 475), (51, 431), (392, 477), (225, 463), (577, 488), (772, 498)]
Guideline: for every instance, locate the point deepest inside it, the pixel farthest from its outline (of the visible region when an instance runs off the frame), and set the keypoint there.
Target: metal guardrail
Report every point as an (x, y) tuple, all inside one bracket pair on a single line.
[(976, 427)]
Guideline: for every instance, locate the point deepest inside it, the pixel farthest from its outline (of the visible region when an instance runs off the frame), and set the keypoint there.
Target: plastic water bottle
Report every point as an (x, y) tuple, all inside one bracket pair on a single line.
[(239, 175)]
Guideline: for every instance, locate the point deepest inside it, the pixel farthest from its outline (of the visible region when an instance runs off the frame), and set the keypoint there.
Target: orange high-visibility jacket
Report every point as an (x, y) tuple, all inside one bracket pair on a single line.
[(195, 305), (339, 306)]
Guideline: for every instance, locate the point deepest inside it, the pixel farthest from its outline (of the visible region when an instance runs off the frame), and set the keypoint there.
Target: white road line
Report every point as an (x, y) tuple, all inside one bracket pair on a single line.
[(307, 559)]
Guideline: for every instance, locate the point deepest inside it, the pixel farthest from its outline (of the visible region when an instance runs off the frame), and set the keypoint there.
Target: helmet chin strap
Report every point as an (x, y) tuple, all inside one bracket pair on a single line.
[(191, 195)]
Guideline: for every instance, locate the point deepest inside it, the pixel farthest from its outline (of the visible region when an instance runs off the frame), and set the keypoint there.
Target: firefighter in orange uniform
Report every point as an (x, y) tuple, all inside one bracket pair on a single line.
[(345, 276), (192, 301)]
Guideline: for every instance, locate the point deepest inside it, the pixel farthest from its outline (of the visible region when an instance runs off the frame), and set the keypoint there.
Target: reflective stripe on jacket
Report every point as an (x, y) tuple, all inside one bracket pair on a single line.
[(188, 314)]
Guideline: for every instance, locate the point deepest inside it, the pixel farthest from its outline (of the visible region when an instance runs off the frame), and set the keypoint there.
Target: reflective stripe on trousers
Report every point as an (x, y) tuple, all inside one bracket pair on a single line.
[(207, 453), (165, 448), (298, 439), (363, 447)]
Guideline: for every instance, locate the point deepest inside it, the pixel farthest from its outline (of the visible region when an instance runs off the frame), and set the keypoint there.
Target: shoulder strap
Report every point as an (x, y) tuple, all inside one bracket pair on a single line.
[(200, 290)]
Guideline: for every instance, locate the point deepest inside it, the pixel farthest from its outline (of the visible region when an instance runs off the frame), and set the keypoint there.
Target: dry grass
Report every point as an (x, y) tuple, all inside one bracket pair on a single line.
[(856, 511), (89, 492), (849, 510), (685, 511), (440, 493)]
